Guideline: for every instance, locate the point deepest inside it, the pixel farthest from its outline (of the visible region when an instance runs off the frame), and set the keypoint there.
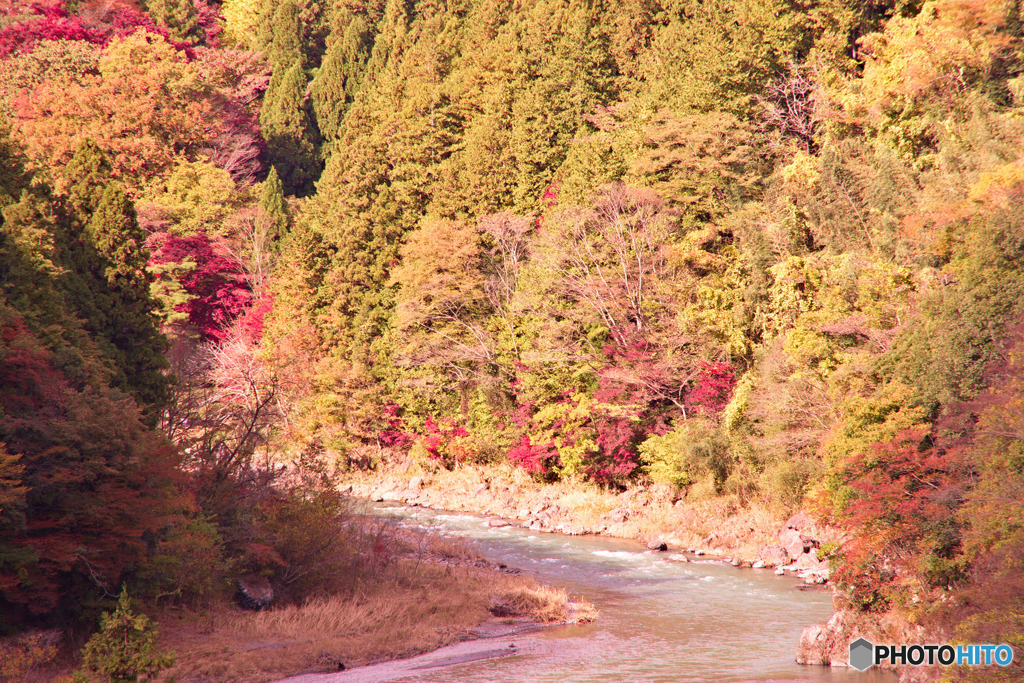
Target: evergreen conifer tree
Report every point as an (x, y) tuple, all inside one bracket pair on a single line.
[(177, 15), (290, 134), (340, 76), (563, 70), (265, 24), (285, 47), (88, 173), (100, 245), (272, 205), (13, 177), (128, 315)]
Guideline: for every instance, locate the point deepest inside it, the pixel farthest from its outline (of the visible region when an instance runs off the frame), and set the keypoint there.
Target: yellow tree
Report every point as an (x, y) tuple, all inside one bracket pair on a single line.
[(441, 304)]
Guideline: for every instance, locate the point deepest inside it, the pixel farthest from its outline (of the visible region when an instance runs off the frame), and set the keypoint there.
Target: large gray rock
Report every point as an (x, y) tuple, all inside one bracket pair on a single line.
[(618, 515), (773, 555), (255, 592), (793, 542), (813, 646), (803, 523), (809, 561), (805, 526)]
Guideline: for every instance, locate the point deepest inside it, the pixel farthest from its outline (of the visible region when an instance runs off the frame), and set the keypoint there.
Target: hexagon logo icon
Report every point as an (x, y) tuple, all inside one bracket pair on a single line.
[(862, 654)]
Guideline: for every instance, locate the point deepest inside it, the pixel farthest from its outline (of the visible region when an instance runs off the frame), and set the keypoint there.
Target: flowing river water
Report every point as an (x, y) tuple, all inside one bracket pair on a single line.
[(659, 620)]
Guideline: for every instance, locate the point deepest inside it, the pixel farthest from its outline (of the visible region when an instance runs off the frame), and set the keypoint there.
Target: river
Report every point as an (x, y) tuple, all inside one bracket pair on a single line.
[(659, 620)]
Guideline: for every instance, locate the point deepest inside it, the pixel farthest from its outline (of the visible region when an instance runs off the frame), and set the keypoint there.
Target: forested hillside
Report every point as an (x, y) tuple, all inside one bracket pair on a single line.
[(766, 249)]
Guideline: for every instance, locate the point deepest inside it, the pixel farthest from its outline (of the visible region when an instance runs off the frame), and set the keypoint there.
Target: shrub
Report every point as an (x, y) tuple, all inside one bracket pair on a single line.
[(307, 540), (124, 649), (23, 654), (692, 450), (785, 481), (188, 564)]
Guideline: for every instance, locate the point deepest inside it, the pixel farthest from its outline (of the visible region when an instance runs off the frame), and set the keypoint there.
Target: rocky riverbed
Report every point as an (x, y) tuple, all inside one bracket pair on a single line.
[(741, 536)]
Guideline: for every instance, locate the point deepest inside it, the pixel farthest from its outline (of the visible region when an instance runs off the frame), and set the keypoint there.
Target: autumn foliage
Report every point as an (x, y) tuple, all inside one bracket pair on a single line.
[(50, 22), (759, 250), (903, 502), (218, 291), (97, 486)]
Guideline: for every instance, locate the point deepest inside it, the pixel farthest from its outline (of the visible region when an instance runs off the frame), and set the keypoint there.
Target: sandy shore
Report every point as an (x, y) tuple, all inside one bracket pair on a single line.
[(492, 640)]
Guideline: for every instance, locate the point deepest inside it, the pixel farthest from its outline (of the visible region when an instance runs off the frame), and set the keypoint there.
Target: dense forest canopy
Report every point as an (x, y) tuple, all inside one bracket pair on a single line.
[(768, 249)]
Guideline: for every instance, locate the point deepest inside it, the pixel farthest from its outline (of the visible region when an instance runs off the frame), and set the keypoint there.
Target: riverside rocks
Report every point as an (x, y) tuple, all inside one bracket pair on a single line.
[(772, 556), (794, 543), (618, 515), (802, 523), (797, 550), (813, 646), (828, 644), (795, 547), (810, 561)]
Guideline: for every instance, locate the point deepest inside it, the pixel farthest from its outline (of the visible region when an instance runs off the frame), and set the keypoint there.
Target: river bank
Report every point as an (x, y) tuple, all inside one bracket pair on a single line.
[(744, 535), (716, 529), (822, 642), (428, 592), (659, 619), (491, 641)]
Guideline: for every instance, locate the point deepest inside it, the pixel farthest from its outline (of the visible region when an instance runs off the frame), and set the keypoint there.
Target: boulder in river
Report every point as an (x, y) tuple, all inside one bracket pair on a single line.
[(657, 544)]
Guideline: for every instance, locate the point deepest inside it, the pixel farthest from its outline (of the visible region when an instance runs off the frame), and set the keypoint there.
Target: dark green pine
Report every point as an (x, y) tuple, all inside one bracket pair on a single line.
[(289, 131)]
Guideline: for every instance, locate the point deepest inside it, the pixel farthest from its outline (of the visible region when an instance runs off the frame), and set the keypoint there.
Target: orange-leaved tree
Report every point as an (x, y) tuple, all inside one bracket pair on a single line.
[(146, 106)]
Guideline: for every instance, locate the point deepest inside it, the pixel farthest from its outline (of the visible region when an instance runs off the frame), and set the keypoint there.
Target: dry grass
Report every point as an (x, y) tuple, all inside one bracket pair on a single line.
[(543, 604), (398, 592), (419, 605)]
